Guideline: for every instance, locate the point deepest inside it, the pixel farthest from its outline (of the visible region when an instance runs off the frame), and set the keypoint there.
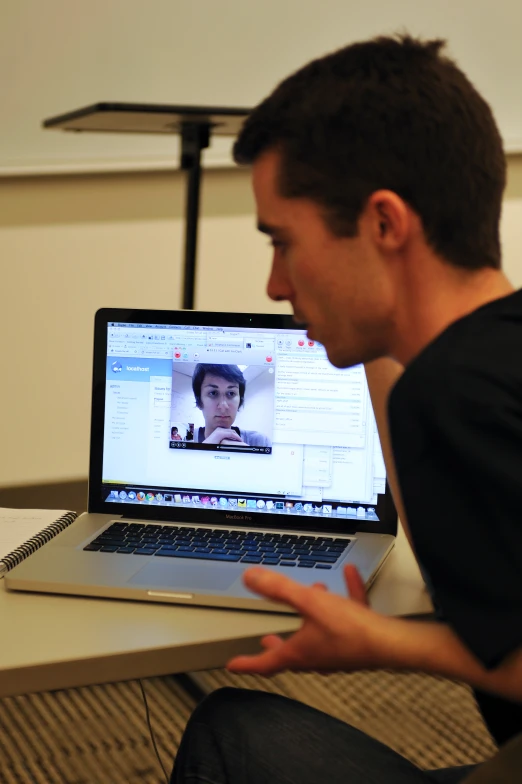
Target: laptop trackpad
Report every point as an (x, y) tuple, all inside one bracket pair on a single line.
[(182, 575)]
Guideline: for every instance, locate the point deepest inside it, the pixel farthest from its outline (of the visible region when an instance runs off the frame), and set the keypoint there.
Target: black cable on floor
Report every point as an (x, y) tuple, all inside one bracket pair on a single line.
[(153, 739)]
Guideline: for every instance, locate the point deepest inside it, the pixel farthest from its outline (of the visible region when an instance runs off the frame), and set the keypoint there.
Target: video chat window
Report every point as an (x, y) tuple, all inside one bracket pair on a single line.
[(221, 406)]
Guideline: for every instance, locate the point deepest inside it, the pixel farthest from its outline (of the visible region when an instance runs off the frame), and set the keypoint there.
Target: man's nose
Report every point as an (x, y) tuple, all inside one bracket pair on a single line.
[(278, 287)]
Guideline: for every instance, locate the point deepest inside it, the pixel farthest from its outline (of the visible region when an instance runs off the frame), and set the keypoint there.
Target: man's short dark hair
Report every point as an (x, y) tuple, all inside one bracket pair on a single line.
[(228, 372), (388, 113)]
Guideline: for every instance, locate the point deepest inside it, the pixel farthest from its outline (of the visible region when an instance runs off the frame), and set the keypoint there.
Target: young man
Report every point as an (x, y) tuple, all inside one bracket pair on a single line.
[(378, 173)]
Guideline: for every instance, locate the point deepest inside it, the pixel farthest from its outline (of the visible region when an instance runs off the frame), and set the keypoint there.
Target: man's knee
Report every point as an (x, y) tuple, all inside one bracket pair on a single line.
[(239, 708)]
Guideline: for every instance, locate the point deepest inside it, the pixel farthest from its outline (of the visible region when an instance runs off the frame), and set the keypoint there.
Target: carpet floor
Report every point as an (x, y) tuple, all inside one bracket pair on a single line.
[(99, 734)]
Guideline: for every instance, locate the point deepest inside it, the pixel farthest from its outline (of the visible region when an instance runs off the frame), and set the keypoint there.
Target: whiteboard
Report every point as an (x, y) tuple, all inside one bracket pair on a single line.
[(60, 55)]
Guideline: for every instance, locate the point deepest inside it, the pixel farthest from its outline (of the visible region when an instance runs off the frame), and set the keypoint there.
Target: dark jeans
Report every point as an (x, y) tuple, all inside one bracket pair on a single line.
[(248, 737)]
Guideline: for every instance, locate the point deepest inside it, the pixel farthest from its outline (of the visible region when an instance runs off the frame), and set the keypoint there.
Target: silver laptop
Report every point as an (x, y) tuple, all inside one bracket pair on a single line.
[(219, 441)]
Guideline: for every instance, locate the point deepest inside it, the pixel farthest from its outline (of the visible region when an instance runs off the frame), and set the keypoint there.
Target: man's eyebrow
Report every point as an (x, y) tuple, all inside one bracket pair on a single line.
[(265, 228), (232, 384)]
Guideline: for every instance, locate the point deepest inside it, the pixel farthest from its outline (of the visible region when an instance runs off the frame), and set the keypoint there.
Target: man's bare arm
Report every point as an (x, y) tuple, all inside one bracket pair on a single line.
[(382, 374), (435, 648)]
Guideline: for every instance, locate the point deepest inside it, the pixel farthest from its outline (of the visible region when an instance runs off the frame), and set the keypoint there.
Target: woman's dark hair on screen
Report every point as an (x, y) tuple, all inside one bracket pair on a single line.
[(228, 372), (390, 113)]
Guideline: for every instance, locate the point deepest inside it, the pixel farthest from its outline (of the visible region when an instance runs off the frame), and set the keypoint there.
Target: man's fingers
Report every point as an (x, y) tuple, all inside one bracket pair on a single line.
[(321, 586), (355, 584), (273, 659), (272, 641), (232, 435), (278, 588), (266, 663)]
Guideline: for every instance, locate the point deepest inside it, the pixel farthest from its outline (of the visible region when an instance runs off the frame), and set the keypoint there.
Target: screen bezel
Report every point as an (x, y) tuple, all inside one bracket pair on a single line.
[(385, 508)]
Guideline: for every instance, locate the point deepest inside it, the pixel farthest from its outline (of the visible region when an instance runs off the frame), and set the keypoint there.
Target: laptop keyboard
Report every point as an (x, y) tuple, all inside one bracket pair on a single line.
[(270, 549)]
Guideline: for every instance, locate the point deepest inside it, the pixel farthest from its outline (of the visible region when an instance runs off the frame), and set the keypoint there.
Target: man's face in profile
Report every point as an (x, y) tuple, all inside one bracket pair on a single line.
[(335, 284), (219, 401)]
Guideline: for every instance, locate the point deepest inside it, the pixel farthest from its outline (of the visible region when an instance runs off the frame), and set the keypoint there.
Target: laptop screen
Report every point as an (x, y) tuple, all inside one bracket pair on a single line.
[(239, 419)]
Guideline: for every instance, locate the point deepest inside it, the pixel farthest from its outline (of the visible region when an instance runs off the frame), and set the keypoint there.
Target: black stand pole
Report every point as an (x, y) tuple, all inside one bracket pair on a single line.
[(194, 138)]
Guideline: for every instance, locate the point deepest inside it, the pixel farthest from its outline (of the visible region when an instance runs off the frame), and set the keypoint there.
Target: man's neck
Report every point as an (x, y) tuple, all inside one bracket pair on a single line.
[(444, 295)]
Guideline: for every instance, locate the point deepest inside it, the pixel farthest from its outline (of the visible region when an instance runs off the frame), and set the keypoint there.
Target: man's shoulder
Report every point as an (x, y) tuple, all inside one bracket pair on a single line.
[(485, 345)]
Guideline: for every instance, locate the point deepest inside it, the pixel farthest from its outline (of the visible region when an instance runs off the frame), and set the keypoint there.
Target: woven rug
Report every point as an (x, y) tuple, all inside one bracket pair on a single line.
[(99, 734)]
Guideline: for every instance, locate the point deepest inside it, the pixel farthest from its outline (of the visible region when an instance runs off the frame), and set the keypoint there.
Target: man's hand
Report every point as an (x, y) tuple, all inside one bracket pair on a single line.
[(336, 634), (346, 634), (223, 432)]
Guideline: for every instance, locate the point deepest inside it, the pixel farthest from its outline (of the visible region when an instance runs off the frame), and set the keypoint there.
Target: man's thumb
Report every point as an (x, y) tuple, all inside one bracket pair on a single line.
[(355, 584)]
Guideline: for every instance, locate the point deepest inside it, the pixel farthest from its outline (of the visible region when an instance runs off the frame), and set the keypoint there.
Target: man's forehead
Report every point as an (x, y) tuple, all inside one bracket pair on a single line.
[(277, 214), (265, 168), (265, 177), (211, 380)]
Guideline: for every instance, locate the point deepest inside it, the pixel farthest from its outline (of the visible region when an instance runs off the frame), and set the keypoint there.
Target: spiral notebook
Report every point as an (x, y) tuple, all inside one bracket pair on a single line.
[(23, 531)]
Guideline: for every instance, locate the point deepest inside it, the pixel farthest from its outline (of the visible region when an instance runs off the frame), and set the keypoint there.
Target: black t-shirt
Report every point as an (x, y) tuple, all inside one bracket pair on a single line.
[(456, 429)]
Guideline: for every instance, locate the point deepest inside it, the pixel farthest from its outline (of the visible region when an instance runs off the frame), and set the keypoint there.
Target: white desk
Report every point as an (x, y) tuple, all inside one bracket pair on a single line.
[(55, 642)]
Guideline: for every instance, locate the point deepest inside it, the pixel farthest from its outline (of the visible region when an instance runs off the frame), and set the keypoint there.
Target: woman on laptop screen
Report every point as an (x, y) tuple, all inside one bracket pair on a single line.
[(219, 391)]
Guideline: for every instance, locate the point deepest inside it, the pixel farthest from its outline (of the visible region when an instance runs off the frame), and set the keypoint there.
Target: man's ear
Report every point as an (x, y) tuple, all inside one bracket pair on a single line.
[(389, 219)]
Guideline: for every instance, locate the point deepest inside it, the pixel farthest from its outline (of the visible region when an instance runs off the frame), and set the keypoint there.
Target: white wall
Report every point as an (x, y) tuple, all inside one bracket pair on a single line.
[(58, 56), (258, 410), (69, 245), (183, 408)]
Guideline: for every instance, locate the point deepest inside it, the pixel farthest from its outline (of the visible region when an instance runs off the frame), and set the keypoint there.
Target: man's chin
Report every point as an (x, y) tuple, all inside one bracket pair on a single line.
[(341, 362), (338, 355), (299, 322), (341, 359)]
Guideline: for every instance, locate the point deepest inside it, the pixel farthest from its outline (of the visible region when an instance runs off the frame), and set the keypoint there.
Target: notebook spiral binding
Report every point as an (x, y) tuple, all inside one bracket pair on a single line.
[(35, 542)]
